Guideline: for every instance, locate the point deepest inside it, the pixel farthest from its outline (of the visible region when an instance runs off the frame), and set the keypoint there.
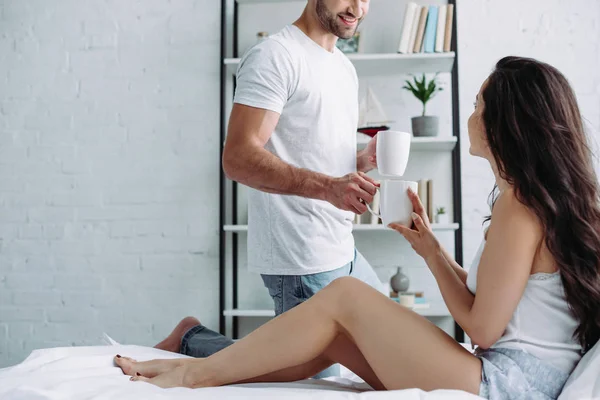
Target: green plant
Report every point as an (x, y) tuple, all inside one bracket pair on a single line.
[(441, 210), (422, 89)]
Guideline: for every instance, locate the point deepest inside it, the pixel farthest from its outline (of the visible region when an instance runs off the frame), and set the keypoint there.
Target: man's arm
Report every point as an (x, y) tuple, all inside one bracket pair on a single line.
[(245, 160)]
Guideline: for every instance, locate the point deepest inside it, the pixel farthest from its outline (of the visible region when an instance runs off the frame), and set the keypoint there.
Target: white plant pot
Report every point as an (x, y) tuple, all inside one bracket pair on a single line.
[(442, 219)]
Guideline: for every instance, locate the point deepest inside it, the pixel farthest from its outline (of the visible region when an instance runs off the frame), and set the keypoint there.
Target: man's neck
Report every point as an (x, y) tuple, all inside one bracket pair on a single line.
[(313, 29)]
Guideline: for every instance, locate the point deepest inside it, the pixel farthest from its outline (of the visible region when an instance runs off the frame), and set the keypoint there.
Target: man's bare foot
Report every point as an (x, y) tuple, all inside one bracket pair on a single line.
[(149, 369), (173, 341)]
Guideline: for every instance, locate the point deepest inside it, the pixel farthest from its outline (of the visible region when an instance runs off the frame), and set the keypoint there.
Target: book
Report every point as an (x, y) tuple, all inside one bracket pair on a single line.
[(430, 30), (413, 31), (430, 200), (419, 296), (441, 28), (375, 208), (409, 16), (421, 30), (449, 23)]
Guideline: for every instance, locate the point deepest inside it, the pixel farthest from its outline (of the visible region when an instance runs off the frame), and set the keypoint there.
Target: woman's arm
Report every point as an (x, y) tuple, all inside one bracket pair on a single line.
[(504, 269), (458, 270)]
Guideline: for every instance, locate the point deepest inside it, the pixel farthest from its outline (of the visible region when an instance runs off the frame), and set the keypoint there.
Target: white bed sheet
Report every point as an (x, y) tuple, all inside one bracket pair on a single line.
[(89, 373)]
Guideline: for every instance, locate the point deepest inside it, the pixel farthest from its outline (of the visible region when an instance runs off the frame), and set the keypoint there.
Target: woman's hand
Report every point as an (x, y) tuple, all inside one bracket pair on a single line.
[(419, 208), (421, 238)]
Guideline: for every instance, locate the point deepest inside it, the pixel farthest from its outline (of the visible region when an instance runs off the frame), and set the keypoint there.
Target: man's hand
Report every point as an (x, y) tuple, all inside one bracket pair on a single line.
[(352, 191), (366, 159)]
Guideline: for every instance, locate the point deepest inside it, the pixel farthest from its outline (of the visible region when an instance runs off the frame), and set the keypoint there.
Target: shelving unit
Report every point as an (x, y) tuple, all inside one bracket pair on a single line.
[(233, 233)]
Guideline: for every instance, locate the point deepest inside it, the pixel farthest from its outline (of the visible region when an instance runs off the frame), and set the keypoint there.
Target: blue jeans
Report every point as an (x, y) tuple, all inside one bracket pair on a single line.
[(287, 292)]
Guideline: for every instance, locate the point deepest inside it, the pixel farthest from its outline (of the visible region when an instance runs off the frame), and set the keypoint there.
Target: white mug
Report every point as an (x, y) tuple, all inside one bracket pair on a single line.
[(393, 149), (394, 204)]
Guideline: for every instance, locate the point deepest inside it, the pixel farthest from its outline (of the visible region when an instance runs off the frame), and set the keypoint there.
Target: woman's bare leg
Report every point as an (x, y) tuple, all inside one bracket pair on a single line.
[(403, 349), (342, 350)]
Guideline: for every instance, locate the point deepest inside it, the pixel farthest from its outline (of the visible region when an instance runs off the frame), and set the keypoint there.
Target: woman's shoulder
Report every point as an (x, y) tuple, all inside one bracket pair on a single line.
[(509, 211), (507, 202)]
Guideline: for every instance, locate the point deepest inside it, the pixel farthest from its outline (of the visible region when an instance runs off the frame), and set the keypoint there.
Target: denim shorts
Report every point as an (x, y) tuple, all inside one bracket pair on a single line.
[(287, 292), (517, 375)]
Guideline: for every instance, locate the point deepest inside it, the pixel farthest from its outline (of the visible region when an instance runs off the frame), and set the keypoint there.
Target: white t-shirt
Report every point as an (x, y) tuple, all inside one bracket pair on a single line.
[(316, 94)]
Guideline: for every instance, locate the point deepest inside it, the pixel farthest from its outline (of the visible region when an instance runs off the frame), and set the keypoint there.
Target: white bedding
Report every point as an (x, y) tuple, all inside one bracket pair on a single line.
[(89, 373)]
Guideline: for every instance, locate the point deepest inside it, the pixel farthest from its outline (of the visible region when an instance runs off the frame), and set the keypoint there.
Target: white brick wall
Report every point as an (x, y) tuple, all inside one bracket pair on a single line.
[(109, 160), (565, 34), (108, 170)]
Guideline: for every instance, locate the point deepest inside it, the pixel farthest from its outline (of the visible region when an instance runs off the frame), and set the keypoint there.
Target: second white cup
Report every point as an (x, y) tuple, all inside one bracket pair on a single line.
[(395, 205)]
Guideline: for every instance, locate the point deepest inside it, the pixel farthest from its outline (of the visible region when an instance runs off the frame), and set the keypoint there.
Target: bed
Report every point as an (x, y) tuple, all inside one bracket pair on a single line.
[(89, 373)]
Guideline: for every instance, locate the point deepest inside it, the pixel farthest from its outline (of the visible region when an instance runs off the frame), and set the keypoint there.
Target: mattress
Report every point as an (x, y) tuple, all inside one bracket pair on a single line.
[(89, 373)]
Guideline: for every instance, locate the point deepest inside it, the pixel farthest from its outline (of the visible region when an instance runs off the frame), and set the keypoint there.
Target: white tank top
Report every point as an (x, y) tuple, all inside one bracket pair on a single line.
[(542, 324)]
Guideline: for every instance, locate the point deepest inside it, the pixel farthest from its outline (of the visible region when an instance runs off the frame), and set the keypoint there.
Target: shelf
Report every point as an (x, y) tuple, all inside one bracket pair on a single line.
[(361, 227), (437, 309), (446, 143), (387, 63), (380, 227), (248, 313), (426, 310)]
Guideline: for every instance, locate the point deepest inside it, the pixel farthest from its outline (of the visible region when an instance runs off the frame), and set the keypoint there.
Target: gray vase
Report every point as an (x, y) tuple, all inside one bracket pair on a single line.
[(399, 282), (425, 126)]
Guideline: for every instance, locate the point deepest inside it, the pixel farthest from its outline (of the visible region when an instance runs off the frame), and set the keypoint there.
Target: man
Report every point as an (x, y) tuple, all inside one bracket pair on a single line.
[(292, 139)]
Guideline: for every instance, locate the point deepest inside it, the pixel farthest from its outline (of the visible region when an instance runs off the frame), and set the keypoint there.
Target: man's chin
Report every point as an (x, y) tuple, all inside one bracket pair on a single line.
[(342, 34)]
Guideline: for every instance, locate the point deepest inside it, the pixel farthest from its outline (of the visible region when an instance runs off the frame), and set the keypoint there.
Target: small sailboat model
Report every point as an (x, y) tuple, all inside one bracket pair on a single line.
[(371, 117)]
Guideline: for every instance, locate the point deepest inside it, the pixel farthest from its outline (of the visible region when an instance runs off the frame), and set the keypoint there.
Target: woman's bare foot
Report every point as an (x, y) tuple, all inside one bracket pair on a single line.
[(191, 373), (173, 342), (149, 369)]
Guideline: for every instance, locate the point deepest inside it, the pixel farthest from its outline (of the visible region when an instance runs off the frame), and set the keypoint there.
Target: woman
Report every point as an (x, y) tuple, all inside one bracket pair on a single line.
[(530, 302)]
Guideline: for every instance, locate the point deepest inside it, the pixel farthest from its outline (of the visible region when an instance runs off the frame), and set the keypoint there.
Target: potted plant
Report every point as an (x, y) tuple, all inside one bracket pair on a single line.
[(424, 91), (440, 216)]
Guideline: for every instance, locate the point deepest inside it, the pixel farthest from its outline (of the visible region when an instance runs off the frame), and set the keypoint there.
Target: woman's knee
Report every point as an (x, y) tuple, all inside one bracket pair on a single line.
[(345, 284), (342, 292)]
